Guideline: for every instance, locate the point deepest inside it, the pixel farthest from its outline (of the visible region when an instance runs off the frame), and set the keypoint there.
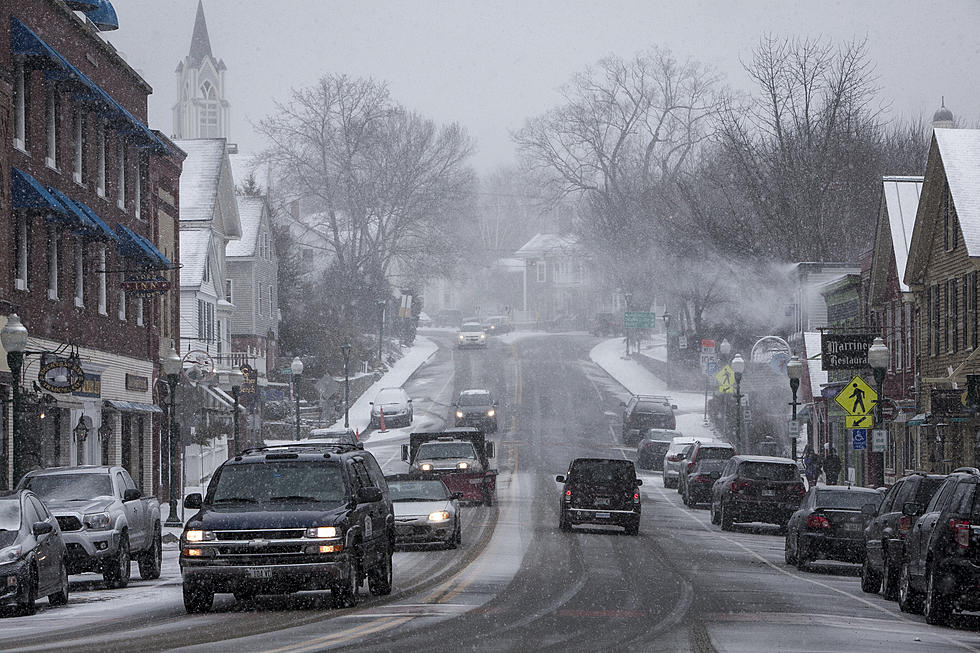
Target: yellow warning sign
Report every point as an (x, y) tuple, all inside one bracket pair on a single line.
[(859, 421), (726, 380), (857, 397)]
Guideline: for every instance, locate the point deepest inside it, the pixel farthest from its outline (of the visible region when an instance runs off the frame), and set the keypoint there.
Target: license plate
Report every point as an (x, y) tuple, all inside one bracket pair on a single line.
[(258, 573), (853, 527), (768, 493), (602, 501), (476, 481), (602, 515)]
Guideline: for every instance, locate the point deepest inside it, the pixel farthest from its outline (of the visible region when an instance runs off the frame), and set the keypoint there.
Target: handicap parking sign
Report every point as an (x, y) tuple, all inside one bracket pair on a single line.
[(711, 368), (859, 439)]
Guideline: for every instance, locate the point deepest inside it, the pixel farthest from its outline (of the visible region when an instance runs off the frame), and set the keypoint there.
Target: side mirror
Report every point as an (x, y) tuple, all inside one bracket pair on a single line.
[(131, 495), (457, 495), (41, 528), (489, 449), (368, 495), (405, 452), (193, 501), (409, 400), (911, 509), (681, 456), (370, 403), (673, 406), (559, 479), (622, 404), (639, 482), (869, 510)]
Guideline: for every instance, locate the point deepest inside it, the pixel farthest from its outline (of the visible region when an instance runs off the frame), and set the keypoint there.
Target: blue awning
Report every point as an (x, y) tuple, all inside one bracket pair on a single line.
[(78, 218), (104, 232), (137, 248), (132, 406), (29, 193), (103, 16)]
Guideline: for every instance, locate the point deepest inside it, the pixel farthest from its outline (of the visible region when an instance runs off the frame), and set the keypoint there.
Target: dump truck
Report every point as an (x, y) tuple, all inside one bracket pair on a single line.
[(459, 456)]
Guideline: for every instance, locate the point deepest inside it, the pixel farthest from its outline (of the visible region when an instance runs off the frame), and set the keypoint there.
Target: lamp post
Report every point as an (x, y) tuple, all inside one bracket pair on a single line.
[(667, 317), (628, 298), (738, 366), (13, 337), (171, 367), (381, 329), (878, 359), (794, 370), (345, 349), (725, 348), (235, 378), (296, 367)]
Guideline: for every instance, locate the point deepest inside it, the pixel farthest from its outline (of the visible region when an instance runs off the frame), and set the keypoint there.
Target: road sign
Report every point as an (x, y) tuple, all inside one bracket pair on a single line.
[(859, 421), (879, 440), (726, 379), (857, 397), (859, 439), (794, 428), (639, 319), (710, 368)]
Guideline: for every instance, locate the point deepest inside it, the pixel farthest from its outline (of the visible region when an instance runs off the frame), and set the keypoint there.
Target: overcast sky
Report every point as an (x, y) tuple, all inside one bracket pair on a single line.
[(490, 65)]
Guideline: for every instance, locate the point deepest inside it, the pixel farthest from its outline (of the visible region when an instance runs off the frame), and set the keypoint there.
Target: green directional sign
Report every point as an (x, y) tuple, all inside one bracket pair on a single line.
[(639, 319)]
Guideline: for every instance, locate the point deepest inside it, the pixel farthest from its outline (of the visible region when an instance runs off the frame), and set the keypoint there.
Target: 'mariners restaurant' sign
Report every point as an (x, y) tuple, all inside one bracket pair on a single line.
[(844, 351)]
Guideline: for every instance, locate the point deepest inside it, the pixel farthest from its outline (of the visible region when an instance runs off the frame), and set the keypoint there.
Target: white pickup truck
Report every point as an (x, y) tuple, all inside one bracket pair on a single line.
[(105, 520)]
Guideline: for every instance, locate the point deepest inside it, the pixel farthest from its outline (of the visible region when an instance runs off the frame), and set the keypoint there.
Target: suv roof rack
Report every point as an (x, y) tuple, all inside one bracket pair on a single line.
[(335, 446)]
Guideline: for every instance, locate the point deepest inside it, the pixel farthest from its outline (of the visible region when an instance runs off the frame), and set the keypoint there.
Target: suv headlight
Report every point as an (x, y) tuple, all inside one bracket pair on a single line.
[(459, 414), (96, 521), (10, 554), (197, 535), (426, 467), (439, 515), (321, 531), (482, 336), (462, 465), (462, 337), (491, 412)]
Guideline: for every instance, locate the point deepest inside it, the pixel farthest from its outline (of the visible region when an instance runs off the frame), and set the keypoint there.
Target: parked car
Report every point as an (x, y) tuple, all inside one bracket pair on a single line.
[(941, 570), (104, 519), (397, 407), (497, 325), (698, 481), (756, 489), (278, 519), (830, 525), (678, 451), (471, 335), (644, 412), (33, 557), (336, 436), (702, 450), (477, 408), (650, 451), (426, 512), (885, 535), (600, 491)]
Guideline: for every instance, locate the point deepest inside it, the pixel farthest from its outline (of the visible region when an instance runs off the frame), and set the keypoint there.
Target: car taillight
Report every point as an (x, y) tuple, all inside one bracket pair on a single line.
[(738, 485), (961, 532), (672, 458), (690, 467), (817, 521), (904, 525), (636, 497), (702, 479)]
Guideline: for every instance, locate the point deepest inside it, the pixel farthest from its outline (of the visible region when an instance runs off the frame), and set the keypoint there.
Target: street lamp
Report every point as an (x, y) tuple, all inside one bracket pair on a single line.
[(667, 317), (381, 328), (794, 370), (345, 348), (628, 298), (171, 367), (878, 359), (725, 348), (235, 378), (738, 366), (13, 337), (296, 367)]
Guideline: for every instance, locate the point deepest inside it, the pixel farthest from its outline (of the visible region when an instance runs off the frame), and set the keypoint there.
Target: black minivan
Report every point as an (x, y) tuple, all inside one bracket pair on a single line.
[(600, 491), (644, 412)]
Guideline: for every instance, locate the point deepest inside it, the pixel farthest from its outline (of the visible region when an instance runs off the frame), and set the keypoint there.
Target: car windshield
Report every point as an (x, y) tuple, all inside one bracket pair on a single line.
[(10, 514), (846, 500), (602, 471), (279, 482), (475, 399), (417, 490), (759, 471), (446, 450), (390, 396), (677, 447), (715, 453), (472, 326), (69, 487)]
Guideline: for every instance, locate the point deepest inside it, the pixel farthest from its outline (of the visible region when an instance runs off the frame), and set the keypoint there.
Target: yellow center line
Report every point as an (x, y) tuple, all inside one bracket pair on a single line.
[(343, 635)]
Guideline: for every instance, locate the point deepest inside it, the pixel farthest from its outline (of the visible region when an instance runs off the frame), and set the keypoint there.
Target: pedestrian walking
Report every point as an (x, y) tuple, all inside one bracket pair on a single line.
[(811, 465), (831, 467)]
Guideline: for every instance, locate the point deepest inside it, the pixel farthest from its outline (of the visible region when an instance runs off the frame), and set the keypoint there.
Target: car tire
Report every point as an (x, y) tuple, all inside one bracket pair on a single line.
[(380, 578), (936, 607), (633, 527), (909, 599), (151, 561), (870, 579), (725, 519), (802, 557), (345, 595), (563, 524), (116, 570), (788, 558), (889, 581), (715, 519), (198, 597), (28, 606), (487, 497), (670, 483), (61, 597)]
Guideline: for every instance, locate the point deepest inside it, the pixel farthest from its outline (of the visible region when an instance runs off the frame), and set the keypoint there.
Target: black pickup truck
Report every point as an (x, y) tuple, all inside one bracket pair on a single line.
[(303, 516)]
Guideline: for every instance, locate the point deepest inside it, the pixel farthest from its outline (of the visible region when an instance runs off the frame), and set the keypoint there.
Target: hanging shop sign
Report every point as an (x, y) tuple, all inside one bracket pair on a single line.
[(145, 285), (844, 351), (249, 385), (60, 375), (91, 386)]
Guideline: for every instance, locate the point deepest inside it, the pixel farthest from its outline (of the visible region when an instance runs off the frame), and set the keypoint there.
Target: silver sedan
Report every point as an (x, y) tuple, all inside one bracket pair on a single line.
[(426, 512)]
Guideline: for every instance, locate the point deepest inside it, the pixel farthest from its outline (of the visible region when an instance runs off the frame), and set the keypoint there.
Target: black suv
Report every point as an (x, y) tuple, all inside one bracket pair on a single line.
[(288, 518), (756, 488), (600, 491), (643, 412), (885, 536), (941, 570)]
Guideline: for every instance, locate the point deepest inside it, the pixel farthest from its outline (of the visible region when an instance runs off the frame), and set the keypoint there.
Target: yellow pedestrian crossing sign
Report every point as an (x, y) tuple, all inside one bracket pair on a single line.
[(726, 380), (858, 421), (857, 397)]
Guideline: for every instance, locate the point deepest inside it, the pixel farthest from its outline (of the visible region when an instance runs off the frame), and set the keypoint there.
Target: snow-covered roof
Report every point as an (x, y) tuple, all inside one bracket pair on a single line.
[(194, 247), (199, 177), (901, 195), (250, 213), (817, 376), (542, 244), (960, 151)]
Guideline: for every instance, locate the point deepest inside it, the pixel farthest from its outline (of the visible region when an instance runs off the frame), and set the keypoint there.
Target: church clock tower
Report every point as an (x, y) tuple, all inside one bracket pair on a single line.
[(201, 110)]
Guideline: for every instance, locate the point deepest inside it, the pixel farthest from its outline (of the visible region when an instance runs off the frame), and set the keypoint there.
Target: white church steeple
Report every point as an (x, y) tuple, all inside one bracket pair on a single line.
[(201, 110)]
